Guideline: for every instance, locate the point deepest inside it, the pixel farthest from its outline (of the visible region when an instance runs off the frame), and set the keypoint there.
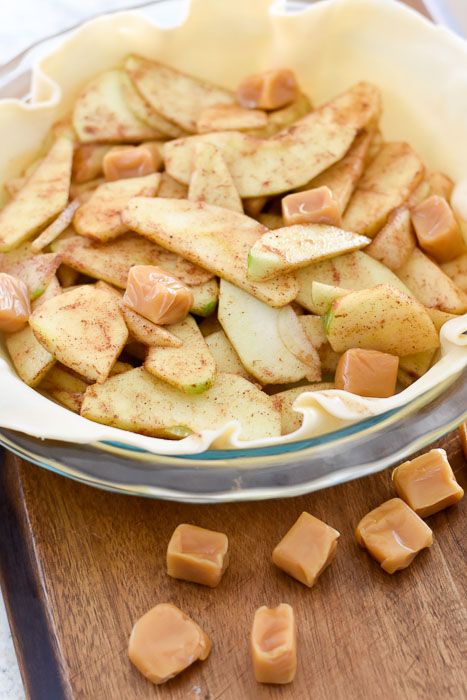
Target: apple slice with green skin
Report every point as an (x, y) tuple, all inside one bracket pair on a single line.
[(31, 360), (215, 238), (252, 328), (290, 158), (100, 217), (323, 296), (351, 271), (147, 332), (381, 318), (205, 298), (41, 199), (191, 368), (36, 272), (101, 113), (162, 410), (211, 181), (83, 329), (297, 246)]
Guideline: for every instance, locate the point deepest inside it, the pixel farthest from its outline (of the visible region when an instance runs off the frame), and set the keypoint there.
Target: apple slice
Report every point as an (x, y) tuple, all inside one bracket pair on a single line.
[(290, 158), (291, 420), (147, 332), (342, 177), (224, 354), (387, 182), (41, 199), (101, 113), (430, 285), (382, 318), (83, 329), (178, 97), (297, 341), (100, 217), (31, 360), (36, 272), (299, 245), (324, 295), (252, 328), (205, 297), (163, 411), (190, 368), (64, 386), (351, 271), (144, 112), (395, 242), (217, 239), (211, 181)]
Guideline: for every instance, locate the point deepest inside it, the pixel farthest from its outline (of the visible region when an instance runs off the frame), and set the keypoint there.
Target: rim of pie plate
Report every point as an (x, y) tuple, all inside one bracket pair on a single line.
[(330, 45)]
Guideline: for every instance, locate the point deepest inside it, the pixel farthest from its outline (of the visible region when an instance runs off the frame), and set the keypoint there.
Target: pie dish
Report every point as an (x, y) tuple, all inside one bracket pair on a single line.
[(340, 43)]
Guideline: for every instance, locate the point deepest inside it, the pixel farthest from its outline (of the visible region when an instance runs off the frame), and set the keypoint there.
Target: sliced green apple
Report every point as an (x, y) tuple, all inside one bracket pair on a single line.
[(191, 367), (162, 410), (381, 318), (211, 181), (31, 360), (224, 354), (294, 247)]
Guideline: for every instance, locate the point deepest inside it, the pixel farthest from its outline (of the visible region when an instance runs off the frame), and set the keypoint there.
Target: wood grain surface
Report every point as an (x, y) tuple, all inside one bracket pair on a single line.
[(79, 566)]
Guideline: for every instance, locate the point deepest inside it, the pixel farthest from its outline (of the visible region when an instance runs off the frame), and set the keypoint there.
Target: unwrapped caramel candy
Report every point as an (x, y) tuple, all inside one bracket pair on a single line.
[(165, 642), (367, 373), (437, 230), (393, 534), (123, 162), (316, 206), (198, 555), (427, 483), (156, 295), (270, 90), (14, 303), (274, 644), (306, 549)]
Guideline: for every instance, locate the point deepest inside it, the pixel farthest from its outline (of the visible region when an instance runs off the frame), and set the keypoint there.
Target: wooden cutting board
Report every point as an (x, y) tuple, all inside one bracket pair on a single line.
[(79, 566)]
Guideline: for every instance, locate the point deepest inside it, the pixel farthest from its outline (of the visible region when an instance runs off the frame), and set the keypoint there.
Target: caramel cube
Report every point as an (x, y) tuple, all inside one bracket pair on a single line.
[(367, 373), (198, 555), (165, 642), (123, 162), (316, 206), (437, 230), (274, 644), (463, 437), (270, 90), (14, 303), (156, 295), (427, 483), (393, 534), (306, 549)]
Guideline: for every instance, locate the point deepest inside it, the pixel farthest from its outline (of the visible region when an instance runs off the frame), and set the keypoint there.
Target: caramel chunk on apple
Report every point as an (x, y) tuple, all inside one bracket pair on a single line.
[(156, 295), (165, 641), (437, 230), (197, 554), (367, 373), (269, 90), (393, 534), (14, 303), (274, 644), (306, 549), (315, 206), (427, 483), (123, 162)]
